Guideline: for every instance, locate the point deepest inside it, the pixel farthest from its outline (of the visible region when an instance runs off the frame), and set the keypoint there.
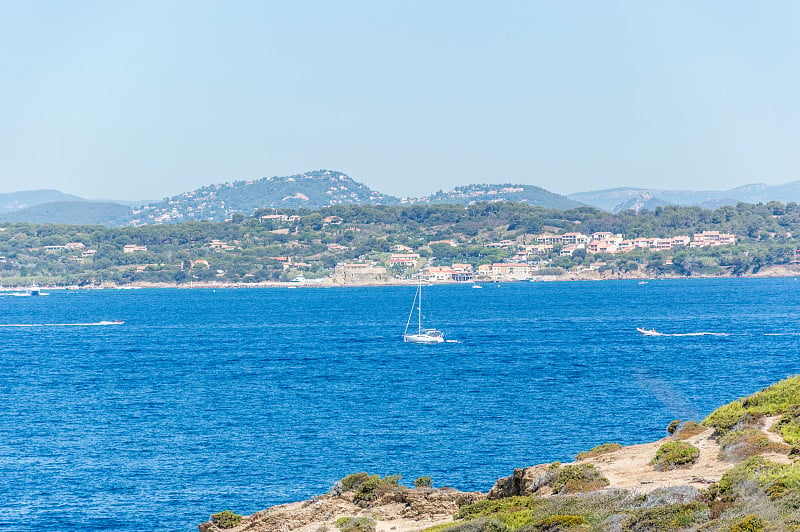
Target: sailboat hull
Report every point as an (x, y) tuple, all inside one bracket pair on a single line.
[(424, 338)]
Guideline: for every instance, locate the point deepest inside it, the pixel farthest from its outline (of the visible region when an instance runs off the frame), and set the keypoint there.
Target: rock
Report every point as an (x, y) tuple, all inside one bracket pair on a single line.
[(524, 481)]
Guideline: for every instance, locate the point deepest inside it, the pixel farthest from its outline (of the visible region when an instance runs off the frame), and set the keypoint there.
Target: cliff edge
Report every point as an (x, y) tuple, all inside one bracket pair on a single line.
[(737, 470)]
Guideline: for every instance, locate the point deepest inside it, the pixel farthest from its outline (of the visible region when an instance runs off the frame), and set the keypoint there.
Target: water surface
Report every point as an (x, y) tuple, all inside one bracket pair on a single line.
[(207, 400)]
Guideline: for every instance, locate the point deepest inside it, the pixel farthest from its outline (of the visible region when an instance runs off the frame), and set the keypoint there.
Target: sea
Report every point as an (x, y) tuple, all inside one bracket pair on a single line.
[(205, 400)]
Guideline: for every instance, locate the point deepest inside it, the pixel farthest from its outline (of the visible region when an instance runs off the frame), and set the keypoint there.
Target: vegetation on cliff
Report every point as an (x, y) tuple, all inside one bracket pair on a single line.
[(761, 491), (756, 487)]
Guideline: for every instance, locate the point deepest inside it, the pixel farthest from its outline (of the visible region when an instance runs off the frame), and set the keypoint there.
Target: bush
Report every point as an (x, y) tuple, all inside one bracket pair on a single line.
[(488, 507), (781, 398), (744, 443), (555, 523), (666, 517), (423, 482), (675, 454), (689, 429), (748, 471), (528, 514), (374, 486), (776, 480), (578, 478), (480, 525), (751, 523), (673, 426), (353, 481), (355, 524), (789, 426), (726, 417), (226, 519), (597, 451)]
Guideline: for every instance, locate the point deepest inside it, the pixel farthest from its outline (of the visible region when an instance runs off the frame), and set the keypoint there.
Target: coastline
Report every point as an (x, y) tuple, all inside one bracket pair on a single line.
[(734, 471), (777, 271)]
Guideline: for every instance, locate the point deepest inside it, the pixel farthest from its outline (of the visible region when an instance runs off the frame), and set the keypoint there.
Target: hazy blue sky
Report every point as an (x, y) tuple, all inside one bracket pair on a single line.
[(142, 100)]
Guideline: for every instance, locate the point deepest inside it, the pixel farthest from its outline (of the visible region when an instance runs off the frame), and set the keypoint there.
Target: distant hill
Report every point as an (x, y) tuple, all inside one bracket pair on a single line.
[(311, 190), (530, 194), (14, 201), (321, 188), (71, 212), (620, 199)]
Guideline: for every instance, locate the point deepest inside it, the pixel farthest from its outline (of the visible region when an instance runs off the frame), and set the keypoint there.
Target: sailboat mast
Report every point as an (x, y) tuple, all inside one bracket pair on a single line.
[(419, 309)]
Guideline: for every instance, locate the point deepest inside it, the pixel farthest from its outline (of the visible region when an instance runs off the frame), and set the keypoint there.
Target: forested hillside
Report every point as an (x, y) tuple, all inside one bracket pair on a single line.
[(280, 244)]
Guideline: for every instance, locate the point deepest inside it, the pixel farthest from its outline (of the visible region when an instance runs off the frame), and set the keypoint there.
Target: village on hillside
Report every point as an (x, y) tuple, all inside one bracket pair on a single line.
[(528, 255)]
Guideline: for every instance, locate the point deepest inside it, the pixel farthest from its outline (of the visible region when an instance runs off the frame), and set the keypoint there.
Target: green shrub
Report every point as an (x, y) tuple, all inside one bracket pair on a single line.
[(353, 481), (423, 482), (597, 451), (665, 517), (781, 398), (675, 454), (751, 523), (495, 507), (776, 480), (525, 514), (373, 486), (555, 523), (226, 519), (788, 426), (355, 524), (744, 443), (775, 399), (749, 471), (479, 525), (673, 426), (726, 417), (689, 429), (578, 478)]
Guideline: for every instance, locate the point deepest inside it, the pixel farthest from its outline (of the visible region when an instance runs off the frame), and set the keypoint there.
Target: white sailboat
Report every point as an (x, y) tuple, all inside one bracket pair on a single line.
[(422, 336)]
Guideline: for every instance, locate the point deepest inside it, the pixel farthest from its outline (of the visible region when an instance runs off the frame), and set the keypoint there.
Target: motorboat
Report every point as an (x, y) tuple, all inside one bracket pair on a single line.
[(649, 332)]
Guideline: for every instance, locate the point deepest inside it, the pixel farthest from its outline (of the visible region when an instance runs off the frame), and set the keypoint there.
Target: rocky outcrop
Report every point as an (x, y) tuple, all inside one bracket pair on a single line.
[(400, 510), (360, 274), (524, 481)]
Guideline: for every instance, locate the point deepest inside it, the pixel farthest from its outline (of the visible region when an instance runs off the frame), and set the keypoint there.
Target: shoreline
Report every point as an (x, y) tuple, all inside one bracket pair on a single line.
[(715, 482), (769, 272)]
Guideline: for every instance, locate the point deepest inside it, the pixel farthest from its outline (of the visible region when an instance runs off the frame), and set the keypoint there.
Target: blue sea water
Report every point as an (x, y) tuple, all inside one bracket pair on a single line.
[(205, 400)]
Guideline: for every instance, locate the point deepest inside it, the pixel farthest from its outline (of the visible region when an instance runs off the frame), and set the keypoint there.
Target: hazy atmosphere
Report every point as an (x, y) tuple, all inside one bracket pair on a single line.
[(142, 100)]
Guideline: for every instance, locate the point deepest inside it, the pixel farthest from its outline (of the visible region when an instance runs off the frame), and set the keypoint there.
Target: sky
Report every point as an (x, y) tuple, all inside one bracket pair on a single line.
[(141, 100)]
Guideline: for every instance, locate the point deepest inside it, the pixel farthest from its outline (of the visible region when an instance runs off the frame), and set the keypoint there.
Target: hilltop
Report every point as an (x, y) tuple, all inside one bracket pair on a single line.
[(311, 190), (621, 199), (468, 194), (737, 470)]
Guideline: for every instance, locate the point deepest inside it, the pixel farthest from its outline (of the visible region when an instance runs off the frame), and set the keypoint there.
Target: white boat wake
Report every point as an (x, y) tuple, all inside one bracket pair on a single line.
[(653, 332), (93, 324), (698, 334)]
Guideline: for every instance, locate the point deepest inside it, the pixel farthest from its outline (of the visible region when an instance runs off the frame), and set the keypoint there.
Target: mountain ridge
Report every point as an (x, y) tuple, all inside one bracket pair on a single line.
[(325, 188), (622, 198)]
